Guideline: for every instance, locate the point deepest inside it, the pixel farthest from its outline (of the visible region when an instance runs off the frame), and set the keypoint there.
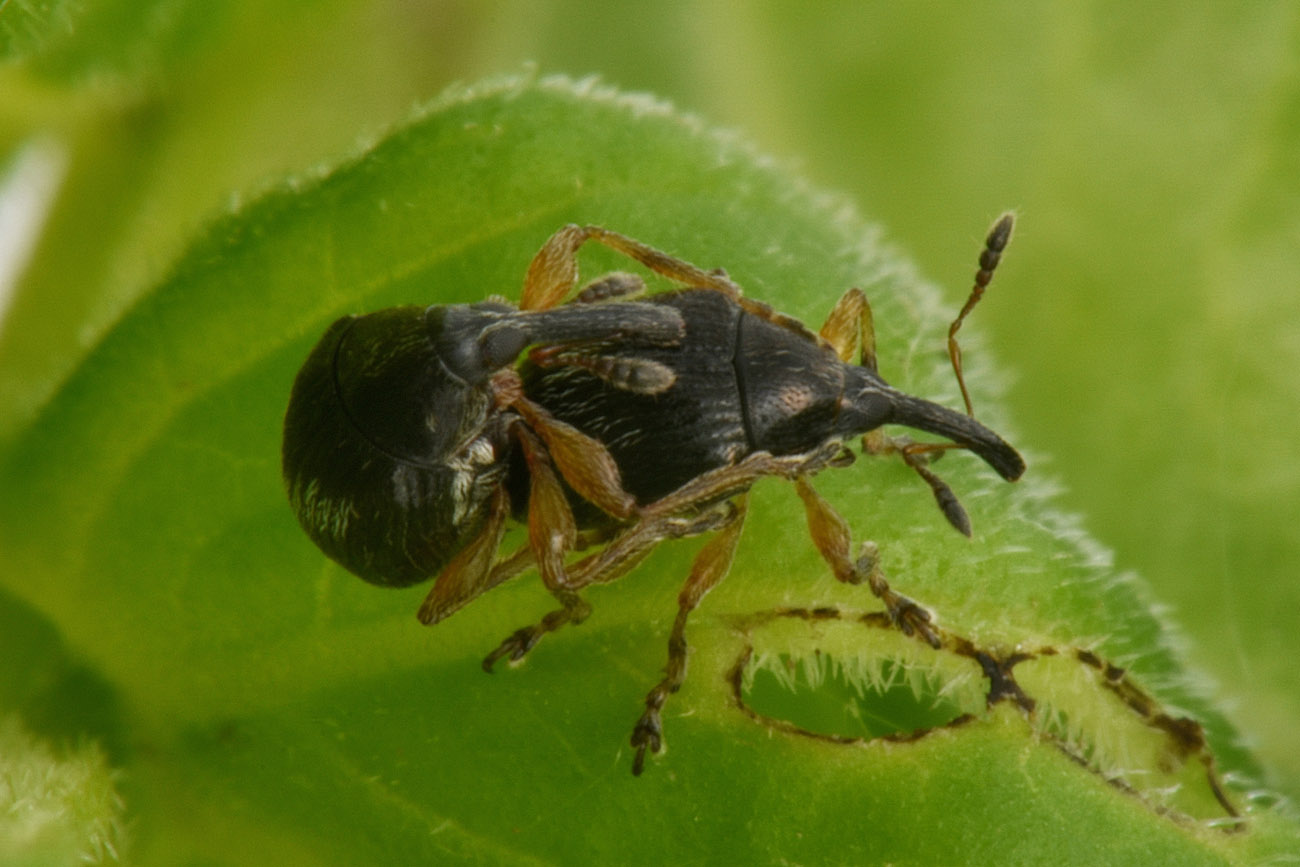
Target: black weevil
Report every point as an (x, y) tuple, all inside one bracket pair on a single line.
[(413, 434)]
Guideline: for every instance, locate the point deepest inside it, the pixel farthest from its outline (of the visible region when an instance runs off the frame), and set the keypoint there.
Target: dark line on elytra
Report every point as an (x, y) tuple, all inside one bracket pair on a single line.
[(742, 387)]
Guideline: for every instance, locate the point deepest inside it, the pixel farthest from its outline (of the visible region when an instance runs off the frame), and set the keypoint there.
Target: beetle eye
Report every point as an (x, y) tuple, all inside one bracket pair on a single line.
[(501, 344)]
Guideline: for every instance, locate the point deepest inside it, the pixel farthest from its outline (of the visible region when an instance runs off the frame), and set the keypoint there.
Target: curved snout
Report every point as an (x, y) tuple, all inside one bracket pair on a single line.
[(923, 415)]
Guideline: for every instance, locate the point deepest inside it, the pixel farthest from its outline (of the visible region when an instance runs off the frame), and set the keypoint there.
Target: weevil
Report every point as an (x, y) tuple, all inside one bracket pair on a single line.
[(414, 435)]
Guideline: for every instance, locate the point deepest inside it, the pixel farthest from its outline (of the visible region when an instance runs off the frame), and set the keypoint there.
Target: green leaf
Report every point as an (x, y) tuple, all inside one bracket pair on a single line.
[(133, 123), (299, 715), (55, 809)]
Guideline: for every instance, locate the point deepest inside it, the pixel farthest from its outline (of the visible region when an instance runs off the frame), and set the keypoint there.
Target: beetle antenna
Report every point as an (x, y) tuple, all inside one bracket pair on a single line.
[(998, 238)]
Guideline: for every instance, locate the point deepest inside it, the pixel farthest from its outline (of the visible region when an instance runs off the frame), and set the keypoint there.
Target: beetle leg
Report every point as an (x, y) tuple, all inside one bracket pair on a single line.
[(574, 609), (850, 328), (584, 462), (917, 456), (622, 554), (522, 559), (552, 533), (830, 533), (511, 566), (710, 566), (701, 505), (948, 503), (636, 375), (614, 561), (677, 270), (553, 272), (727, 481), (470, 572)]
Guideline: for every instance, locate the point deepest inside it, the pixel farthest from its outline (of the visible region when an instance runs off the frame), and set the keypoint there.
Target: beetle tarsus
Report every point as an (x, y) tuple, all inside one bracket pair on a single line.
[(912, 618), (909, 616), (647, 734), (575, 610), (516, 646)]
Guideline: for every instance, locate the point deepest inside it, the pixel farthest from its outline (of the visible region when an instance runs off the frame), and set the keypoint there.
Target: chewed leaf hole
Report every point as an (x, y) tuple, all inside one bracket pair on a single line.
[(850, 677), (876, 685), (1109, 726), (813, 694)]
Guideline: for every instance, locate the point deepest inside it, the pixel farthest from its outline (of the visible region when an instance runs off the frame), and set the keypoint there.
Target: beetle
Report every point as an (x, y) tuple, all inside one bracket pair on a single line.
[(413, 435), (401, 423)]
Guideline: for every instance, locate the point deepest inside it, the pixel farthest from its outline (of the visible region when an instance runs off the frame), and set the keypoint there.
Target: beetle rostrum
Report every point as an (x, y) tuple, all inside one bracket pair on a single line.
[(606, 425), (745, 382)]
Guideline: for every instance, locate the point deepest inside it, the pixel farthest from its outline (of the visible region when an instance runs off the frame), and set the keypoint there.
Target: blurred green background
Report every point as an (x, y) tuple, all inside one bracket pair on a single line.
[(1148, 309)]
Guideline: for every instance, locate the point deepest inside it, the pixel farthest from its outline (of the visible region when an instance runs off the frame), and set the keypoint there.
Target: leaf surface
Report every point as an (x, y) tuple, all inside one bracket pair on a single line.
[(308, 717)]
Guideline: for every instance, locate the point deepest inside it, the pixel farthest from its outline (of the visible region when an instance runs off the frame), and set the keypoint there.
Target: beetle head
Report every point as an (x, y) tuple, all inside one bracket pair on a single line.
[(872, 403)]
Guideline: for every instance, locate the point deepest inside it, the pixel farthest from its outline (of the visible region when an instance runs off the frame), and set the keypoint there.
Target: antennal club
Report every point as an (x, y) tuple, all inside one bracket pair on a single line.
[(998, 238)]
